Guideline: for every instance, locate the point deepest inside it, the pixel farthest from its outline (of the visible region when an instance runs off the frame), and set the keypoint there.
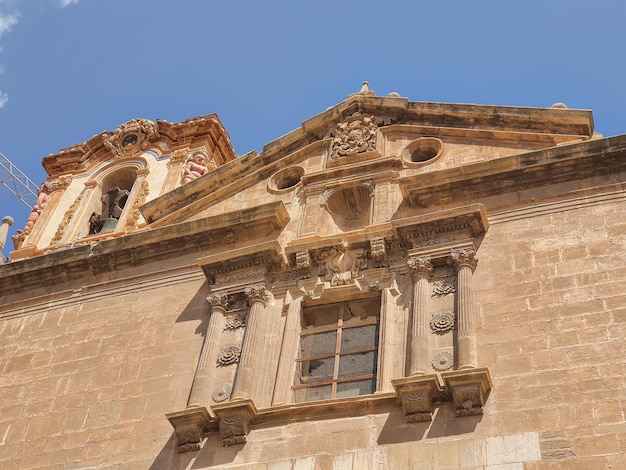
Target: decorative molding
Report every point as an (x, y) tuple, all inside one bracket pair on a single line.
[(229, 354), (134, 214), (442, 322), (303, 259), (69, 213)]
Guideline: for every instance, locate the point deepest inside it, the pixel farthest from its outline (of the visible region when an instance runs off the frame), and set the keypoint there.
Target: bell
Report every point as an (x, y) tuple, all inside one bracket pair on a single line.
[(108, 225)]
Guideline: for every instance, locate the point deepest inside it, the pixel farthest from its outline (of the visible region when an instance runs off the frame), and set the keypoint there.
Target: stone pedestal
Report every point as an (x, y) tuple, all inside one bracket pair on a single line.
[(417, 394), (469, 390), (234, 420)]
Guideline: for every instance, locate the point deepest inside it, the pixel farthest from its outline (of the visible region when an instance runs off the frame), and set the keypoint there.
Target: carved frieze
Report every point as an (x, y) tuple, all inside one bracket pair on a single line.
[(353, 136), (229, 354)]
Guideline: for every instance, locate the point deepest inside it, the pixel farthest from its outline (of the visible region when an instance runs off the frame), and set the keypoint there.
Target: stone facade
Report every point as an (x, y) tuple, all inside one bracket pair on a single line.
[(392, 285)]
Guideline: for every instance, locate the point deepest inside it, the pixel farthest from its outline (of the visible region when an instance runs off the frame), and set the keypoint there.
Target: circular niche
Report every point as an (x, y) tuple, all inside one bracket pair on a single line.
[(286, 179), (423, 150)]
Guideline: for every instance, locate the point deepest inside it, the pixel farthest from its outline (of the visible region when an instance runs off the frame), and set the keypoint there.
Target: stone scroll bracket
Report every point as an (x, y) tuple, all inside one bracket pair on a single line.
[(467, 389), (234, 420), (190, 427)]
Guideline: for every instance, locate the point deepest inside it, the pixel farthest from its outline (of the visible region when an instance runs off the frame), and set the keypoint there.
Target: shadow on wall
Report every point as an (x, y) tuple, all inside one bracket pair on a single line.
[(444, 424)]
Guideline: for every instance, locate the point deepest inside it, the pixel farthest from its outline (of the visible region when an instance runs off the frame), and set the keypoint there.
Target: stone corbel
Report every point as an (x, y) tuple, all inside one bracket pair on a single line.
[(417, 394), (469, 390), (234, 420), (190, 426)]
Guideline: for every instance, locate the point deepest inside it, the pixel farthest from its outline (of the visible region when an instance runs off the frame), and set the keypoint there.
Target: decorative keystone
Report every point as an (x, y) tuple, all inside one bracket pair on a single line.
[(189, 426), (417, 395), (469, 390), (234, 420)]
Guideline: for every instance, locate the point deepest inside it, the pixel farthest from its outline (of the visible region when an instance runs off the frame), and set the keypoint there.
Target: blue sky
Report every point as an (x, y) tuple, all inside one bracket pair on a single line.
[(70, 69)]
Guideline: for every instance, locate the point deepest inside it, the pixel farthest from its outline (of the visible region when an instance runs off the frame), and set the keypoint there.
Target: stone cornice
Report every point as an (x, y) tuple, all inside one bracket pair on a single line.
[(518, 172), (208, 234)]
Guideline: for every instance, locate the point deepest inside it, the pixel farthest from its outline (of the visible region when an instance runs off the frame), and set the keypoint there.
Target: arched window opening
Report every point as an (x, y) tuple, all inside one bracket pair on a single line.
[(115, 189)]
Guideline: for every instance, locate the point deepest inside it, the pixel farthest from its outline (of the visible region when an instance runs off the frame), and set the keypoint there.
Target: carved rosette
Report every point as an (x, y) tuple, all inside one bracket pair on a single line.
[(229, 354), (420, 266), (378, 251), (443, 360), (353, 136), (222, 393), (258, 294), (130, 137), (464, 258), (442, 322), (441, 288)]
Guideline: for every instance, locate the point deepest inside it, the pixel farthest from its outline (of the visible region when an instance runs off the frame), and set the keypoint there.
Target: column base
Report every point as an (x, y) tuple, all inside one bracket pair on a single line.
[(190, 425)]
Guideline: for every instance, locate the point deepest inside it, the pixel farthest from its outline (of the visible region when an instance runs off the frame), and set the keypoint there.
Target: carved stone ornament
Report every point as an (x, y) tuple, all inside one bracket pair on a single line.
[(467, 400), (420, 266), (222, 393), (234, 420), (378, 251), (353, 136), (235, 321), (417, 406), (69, 213), (134, 135), (229, 354), (464, 258), (218, 301), (190, 427), (469, 389), (258, 294), (62, 182), (135, 214), (303, 259), (443, 360), (188, 437), (339, 265), (442, 322), (441, 288)]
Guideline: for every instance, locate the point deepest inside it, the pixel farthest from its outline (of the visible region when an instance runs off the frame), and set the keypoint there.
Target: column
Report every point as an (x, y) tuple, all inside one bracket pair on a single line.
[(464, 261), (201, 381), (421, 270), (252, 348)]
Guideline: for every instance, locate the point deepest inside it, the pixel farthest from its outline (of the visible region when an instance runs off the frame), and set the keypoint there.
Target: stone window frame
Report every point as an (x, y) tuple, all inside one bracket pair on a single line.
[(339, 350)]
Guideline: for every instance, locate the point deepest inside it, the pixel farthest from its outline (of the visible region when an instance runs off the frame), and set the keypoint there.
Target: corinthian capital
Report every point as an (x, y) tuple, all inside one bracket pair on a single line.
[(218, 301), (464, 259), (420, 266), (258, 294)]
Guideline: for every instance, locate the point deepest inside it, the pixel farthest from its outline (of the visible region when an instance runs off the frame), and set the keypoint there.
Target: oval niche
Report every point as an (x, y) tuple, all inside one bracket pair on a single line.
[(422, 150), (286, 179)]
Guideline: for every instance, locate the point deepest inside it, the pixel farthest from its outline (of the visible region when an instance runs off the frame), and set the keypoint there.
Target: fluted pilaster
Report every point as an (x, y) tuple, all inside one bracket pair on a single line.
[(252, 348), (201, 382), (421, 270), (464, 261)]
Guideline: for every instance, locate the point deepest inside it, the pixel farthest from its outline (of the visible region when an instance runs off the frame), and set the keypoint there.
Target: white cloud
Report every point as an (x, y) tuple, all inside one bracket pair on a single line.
[(7, 22), (67, 3), (3, 99)]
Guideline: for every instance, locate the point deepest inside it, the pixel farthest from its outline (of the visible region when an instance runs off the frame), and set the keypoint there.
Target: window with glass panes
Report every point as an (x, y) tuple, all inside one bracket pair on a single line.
[(338, 350)]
